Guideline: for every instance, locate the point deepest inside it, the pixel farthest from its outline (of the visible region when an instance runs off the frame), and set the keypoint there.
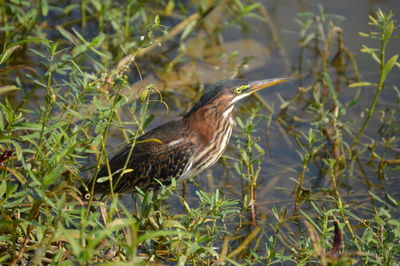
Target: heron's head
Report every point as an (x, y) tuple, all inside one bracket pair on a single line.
[(226, 93)]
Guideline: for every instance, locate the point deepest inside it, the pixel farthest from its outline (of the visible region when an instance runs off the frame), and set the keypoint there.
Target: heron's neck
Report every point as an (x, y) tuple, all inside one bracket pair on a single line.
[(212, 131), (210, 122)]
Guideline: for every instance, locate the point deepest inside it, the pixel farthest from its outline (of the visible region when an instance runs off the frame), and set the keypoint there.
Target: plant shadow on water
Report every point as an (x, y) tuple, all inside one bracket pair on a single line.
[(311, 172)]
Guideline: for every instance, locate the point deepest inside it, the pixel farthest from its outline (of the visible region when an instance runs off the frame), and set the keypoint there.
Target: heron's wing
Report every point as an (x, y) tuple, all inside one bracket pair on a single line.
[(160, 161)]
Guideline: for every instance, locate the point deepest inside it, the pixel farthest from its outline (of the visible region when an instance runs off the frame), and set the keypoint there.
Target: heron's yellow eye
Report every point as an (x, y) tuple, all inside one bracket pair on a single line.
[(239, 90)]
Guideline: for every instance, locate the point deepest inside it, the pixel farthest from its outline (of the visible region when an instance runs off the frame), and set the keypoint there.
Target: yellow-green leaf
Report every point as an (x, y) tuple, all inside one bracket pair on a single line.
[(127, 171), (150, 140), (388, 66), (8, 52), (361, 84), (8, 88), (17, 174), (172, 224)]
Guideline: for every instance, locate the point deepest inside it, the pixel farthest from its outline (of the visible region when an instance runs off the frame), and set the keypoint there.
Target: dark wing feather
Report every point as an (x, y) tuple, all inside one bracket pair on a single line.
[(149, 161)]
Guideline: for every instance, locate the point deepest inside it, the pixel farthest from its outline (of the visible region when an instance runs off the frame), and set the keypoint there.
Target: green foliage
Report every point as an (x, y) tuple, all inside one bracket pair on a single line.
[(68, 86), (81, 70), (385, 24)]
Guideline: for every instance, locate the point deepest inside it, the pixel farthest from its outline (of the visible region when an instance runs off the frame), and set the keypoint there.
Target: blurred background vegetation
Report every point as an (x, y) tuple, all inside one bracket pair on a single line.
[(312, 171)]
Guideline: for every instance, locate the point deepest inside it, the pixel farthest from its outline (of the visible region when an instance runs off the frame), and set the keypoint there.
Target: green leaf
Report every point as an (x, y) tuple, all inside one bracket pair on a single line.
[(55, 126), (169, 8), (69, 36), (331, 88), (88, 45), (394, 222), (98, 39), (387, 32), (259, 148), (79, 50), (31, 40), (307, 39), (150, 140), (148, 120), (76, 114), (18, 149), (8, 52), (311, 220), (371, 52), (361, 84), (172, 224), (17, 174), (193, 248), (182, 260), (27, 126), (3, 188), (189, 28), (388, 66), (45, 7), (51, 177), (102, 179), (8, 88), (1, 122)]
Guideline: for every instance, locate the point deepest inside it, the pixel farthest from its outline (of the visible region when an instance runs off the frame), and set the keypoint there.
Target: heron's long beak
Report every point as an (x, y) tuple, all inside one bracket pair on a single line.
[(262, 84)]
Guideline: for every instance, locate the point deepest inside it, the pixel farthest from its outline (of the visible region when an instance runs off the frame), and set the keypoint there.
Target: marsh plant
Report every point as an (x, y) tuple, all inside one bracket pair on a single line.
[(74, 82)]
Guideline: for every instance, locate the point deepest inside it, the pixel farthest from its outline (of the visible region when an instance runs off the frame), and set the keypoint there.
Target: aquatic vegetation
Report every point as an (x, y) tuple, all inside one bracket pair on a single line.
[(77, 78)]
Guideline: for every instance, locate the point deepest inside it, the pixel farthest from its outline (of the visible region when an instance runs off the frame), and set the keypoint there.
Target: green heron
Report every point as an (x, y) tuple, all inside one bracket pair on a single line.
[(180, 148)]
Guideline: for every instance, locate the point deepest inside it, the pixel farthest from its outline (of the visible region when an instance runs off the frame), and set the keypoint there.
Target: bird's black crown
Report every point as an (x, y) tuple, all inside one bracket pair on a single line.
[(218, 89)]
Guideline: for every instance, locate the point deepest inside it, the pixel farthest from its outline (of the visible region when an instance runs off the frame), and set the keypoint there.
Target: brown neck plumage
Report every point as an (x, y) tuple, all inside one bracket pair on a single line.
[(205, 121)]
